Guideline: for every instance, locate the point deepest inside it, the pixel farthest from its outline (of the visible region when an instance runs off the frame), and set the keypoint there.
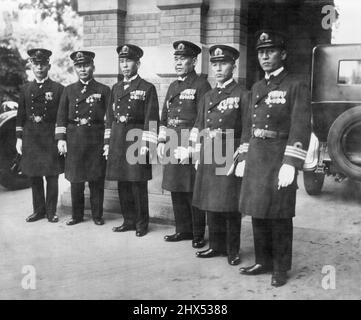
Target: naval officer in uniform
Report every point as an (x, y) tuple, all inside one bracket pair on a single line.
[(219, 124), (133, 108), (80, 135), (274, 147), (35, 125), (179, 114)]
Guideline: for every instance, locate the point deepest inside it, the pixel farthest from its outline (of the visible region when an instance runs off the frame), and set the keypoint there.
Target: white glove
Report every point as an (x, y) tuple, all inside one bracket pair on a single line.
[(106, 151), (181, 153), (240, 169), (62, 147), (160, 150), (286, 176), (19, 145)]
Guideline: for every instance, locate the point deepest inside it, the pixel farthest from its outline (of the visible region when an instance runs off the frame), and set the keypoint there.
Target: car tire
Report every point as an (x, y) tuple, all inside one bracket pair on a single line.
[(8, 179), (313, 182), (336, 138)]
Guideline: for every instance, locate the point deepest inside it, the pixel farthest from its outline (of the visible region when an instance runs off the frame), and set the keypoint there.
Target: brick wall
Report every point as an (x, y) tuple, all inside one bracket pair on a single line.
[(142, 29), (103, 29)]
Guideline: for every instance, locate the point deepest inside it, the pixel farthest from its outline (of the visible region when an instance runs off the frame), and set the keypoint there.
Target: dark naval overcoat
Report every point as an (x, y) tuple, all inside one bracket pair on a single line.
[(220, 109), (35, 124), (81, 123), (179, 114), (281, 105), (132, 122)]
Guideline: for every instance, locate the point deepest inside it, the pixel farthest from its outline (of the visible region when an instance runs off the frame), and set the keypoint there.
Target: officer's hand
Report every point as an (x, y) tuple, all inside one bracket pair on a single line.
[(62, 147), (160, 150), (240, 169), (181, 153), (286, 176), (19, 145), (106, 151)]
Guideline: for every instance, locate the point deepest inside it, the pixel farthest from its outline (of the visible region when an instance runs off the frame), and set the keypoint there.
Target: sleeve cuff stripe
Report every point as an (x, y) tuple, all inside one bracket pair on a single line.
[(296, 150), (295, 155)]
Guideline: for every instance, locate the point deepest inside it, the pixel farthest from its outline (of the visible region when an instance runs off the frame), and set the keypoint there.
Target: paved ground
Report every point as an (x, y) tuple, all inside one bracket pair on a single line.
[(91, 262)]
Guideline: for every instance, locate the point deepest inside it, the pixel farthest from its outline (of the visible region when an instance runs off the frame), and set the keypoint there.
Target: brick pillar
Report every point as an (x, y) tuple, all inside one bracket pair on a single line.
[(104, 30)]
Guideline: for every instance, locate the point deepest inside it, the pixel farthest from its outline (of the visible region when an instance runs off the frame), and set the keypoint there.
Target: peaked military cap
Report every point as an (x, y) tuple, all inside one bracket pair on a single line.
[(130, 51), (79, 57), (268, 38), (39, 55), (186, 48), (223, 53)]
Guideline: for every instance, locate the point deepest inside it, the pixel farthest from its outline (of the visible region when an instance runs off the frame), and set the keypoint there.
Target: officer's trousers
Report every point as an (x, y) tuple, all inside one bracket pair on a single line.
[(224, 231), (133, 198), (273, 242), (188, 219), (96, 198), (45, 204)]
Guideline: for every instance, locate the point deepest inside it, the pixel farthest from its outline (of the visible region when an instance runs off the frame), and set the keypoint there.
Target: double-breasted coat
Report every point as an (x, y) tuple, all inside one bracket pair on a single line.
[(179, 113), (132, 112), (281, 105), (35, 124), (219, 125), (81, 122)]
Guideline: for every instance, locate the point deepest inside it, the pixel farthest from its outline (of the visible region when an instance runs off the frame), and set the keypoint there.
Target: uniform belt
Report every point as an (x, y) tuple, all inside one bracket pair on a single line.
[(85, 122), (126, 120), (220, 133), (36, 119), (268, 134), (173, 122)]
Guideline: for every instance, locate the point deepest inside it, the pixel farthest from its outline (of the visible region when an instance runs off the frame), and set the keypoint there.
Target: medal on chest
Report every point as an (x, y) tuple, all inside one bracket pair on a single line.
[(276, 97)]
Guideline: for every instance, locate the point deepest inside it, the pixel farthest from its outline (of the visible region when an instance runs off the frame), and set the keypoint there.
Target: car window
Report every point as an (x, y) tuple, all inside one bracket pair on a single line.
[(349, 72)]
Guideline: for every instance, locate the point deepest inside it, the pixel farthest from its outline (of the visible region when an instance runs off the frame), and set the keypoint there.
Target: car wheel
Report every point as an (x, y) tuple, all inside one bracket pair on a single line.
[(313, 182), (344, 143), (8, 179)]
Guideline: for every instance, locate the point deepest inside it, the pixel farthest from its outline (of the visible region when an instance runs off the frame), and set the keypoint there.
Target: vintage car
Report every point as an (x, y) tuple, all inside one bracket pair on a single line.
[(335, 147), (10, 178)]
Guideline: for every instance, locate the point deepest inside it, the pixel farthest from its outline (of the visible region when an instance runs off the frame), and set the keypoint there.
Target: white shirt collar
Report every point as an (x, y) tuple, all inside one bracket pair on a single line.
[(42, 81), (182, 78), (224, 84), (274, 73), (85, 82), (131, 79)]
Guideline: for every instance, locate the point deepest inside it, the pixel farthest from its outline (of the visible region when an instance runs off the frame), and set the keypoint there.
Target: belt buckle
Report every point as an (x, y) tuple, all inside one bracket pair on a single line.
[(172, 122), (122, 119), (259, 133), (37, 119), (83, 121)]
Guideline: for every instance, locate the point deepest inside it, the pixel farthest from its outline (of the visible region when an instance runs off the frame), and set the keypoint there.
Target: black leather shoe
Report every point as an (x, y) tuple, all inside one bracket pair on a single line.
[(234, 259), (53, 218), (123, 228), (178, 237), (209, 253), (254, 270), (73, 221), (98, 221), (198, 243), (279, 278), (35, 217), (140, 233)]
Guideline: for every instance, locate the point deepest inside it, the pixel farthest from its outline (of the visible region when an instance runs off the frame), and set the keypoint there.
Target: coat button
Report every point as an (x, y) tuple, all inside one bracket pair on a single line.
[(266, 126), (128, 107), (254, 115), (118, 107), (209, 111), (220, 120), (129, 100), (257, 96), (253, 125), (255, 105), (90, 111), (211, 102), (208, 120), (76, 111), (268, 116), (270, 106)]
